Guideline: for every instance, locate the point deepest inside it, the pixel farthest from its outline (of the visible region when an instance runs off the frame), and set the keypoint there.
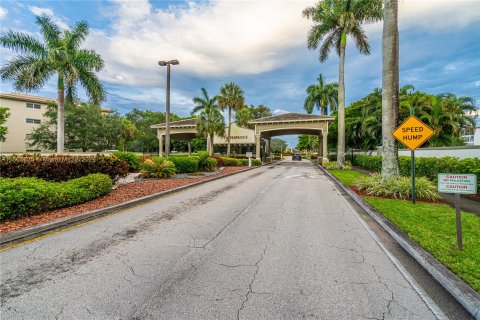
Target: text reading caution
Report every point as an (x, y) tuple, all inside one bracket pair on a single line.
[(413, 133), (457, 183)]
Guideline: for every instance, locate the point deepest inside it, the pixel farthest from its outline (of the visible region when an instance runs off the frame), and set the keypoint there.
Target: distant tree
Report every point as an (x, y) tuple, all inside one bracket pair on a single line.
[(307, 142), (87, 128), (4, 114), (210, 121), (248, 113), (334, 21), (278, 145), (128, 133), (59, 53), (323, 96), (231, 98)]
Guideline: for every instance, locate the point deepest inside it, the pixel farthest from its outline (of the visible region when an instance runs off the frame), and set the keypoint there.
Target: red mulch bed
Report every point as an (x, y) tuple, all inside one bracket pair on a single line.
[(122, 194)]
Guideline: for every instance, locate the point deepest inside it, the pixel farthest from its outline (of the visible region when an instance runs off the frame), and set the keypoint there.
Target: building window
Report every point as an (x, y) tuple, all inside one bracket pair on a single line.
[(34, 121), (33, 105)]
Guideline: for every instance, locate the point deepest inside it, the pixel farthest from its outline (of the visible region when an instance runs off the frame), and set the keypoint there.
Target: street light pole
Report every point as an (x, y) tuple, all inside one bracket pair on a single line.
[(167, 107)]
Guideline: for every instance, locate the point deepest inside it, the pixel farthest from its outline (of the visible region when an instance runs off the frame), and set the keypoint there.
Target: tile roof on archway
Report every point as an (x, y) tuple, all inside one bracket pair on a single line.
[(292, 117)]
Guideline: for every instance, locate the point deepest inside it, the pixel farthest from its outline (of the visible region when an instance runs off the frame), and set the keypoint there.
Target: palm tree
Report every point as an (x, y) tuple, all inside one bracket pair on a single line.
[(231, 97), (334, 20), (390, 87), (59, 54), (323, 96), (210, 120)]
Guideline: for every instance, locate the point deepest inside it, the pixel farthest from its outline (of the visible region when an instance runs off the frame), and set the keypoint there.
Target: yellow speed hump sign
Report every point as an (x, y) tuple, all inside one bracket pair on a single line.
[(413, 133)]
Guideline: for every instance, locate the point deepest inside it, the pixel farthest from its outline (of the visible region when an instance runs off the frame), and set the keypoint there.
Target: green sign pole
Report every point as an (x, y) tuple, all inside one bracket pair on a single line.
[(414, 191)]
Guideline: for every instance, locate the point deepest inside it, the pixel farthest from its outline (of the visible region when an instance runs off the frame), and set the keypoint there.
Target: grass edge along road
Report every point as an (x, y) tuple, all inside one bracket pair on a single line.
[(432, 226)]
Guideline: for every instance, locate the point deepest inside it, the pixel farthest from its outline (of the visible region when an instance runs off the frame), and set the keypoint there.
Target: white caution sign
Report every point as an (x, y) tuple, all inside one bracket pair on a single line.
[(457, 183)]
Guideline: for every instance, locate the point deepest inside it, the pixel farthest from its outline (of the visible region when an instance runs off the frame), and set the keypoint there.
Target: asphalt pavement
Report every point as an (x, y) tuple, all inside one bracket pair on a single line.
[(278, 242)]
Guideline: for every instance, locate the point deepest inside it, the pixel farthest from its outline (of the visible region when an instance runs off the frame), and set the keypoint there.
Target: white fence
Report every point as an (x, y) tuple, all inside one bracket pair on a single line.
[(458, 152)]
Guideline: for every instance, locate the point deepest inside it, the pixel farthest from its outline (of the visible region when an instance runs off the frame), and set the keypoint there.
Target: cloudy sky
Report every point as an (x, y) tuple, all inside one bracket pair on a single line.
[(260, 45)]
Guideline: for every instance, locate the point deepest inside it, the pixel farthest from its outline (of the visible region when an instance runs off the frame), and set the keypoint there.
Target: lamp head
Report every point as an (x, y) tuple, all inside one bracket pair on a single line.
[(162, 63)]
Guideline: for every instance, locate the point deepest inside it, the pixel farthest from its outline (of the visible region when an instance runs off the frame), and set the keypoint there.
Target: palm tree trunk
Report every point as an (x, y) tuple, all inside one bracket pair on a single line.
[(60, 114), (208, 144), (211, 144), (390, 87), (341, 107), (229, 129)]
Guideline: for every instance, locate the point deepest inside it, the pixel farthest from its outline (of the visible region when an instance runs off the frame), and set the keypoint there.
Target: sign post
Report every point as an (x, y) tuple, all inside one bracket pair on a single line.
[(413, 133), (249, 155), (457, 183)]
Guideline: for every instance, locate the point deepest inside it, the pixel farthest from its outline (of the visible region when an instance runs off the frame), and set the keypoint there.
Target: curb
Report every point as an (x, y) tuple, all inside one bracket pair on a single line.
[(462, 292), (31, 232)]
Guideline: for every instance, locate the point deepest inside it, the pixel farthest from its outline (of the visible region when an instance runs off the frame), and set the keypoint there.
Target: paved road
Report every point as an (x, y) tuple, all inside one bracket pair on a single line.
[(276, 242)]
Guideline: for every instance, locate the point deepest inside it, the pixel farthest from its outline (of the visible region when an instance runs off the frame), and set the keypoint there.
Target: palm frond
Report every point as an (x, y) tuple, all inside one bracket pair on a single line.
[(75, 36), (93, 87), (50, 31), (23, 43)]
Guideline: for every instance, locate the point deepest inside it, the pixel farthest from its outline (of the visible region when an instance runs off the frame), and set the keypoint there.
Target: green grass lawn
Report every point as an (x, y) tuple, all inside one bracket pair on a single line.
[(433, 227), (348, 177)]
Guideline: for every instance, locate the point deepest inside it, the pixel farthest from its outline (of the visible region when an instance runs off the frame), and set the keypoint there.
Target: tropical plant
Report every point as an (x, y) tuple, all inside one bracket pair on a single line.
[(231, 98), (334, 20), (210, 120), (397, 187), (157, 167), (131, 158), (205, 162), (390, 87), (59, 53), (4, 114), (323, 96)]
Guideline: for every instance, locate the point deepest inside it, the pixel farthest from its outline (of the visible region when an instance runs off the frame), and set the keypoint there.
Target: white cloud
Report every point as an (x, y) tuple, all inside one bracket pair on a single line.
[(236, 37), (3, 13), (477, 84), (279, 111), (49, 12), (231, 37)]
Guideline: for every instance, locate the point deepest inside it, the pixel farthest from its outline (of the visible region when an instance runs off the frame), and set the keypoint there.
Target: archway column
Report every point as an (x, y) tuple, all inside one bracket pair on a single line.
[(324, 142), (160, 146), (189, 148), (320, 145), (257, 146), (269, 148)]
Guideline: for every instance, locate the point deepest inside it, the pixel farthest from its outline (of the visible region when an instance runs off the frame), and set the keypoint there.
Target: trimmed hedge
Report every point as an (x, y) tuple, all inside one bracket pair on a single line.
[(61, 167), (20, 197), (255, 162), (185, 164), (428, 167)]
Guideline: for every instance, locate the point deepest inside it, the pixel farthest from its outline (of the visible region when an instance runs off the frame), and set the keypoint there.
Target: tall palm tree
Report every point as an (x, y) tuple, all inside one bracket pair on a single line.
[(59, 54), (323, 96), (334, 20), (231, 97), (390, 88), (210, 120)]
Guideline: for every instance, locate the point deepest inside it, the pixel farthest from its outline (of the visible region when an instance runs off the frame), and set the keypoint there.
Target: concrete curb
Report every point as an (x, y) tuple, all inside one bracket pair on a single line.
[(462, 292), (31, 232)]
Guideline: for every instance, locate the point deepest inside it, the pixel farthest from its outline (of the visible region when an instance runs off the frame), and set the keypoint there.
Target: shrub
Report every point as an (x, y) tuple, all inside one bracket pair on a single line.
[(185, 164), (229, 162), (131, 158), (157, 168), (61, 167), (398, 187), (255, 162), (206, 163), (333, 165), (20, 197), (220, 162), (313, 156), (428, 167)]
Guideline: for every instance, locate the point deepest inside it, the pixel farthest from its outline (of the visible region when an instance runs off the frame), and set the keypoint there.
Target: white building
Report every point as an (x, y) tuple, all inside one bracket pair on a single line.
[(473, 138), (26, 113)]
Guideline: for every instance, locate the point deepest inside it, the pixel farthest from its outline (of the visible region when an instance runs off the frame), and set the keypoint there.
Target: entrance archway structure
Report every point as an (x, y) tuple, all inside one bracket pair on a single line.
[(184, 130), (292, 123)]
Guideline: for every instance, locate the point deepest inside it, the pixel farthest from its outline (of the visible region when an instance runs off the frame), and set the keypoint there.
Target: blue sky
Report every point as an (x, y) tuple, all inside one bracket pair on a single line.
[(258, 44)]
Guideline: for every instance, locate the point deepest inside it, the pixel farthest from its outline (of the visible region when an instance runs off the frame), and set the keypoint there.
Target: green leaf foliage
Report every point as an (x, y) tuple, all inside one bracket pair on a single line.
[(61, 167), (157, 167), (131, 158), (400, 187), (4, 114), (185, 164), (20, 197)]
